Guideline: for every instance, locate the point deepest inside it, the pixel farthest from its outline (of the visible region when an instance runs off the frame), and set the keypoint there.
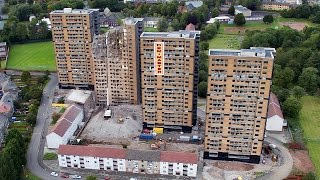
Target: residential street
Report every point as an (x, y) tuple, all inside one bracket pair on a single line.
[(35, 150)]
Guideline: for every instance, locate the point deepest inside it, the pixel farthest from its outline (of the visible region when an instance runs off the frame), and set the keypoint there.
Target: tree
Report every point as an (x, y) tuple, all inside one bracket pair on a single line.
[(25, 76), (7, 169), (215, 12), (309, 79), (239, 19), (231, 10), (91, 177), (292, 107), (268, 19), (163, 25), (204, 46), (202, 91), (297, 92), (31, 118), (203, 76)]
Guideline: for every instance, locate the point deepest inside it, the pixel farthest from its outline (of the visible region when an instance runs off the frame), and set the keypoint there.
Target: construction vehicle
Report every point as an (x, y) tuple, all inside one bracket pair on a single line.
[(120, 120)]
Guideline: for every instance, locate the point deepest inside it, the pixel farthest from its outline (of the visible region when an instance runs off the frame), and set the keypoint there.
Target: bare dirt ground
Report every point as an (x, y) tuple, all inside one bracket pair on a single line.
[(141, 145), (99, 130), (294, 25), (233, 166), (229, 170), (301, 160)]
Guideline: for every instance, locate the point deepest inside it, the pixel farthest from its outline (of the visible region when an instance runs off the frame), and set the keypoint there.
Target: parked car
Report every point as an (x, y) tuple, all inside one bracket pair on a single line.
[(107, 178), (54, 174), (76, 176), (64, 175)]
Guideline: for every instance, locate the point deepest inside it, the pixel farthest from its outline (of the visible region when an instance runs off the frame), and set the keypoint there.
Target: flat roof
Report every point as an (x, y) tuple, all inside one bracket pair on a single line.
[(252, 52), (74, 11), (131, 20), (174, 34), (241, 8), (79, 96)]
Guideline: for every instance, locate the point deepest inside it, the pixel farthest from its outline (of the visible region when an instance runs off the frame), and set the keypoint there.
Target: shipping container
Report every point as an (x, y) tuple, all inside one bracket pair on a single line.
[(158, 130), (184, 138), (146, 136)]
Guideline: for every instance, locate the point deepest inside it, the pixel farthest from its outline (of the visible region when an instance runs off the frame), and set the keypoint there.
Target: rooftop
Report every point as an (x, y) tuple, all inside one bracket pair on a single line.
[(94, 151), (120, 153), (180, 157), (5, 107), (274, 107), (175, 34), (252, 52), (241, 8), (78, 96), (131, 20), (143, 155), (195, 4), (74, 11), (190, 27), (66, 120)]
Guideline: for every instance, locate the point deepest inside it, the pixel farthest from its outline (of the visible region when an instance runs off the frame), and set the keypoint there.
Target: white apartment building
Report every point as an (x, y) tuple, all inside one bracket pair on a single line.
[(92, 157), (65, 127), (127, 160)]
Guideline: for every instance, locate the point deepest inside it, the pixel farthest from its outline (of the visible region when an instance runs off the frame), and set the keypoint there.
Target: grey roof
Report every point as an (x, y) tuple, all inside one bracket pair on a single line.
[(175, 34), (241, 8), (195, 4), (131, 20), (143, 155), (252, 52), (151, 19)]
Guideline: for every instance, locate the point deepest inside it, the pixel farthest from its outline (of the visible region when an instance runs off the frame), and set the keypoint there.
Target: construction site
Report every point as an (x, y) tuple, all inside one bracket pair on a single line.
[(121, 126)]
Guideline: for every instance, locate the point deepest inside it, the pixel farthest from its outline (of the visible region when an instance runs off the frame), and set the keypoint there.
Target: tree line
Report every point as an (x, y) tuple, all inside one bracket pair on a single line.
[(296, 66), (304, 11), (13, 155), (32, 94)]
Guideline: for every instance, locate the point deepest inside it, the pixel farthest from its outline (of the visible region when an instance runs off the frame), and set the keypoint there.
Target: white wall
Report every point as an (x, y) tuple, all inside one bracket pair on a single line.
[(121, 165), (73, 126), (177, 168), (62, 160), (275, 123), (91, 163), (192, 170), (164, 168), (54, 140)]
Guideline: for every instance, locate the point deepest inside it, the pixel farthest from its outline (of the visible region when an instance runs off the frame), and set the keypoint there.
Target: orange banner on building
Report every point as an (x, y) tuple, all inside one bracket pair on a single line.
[(159, 58)]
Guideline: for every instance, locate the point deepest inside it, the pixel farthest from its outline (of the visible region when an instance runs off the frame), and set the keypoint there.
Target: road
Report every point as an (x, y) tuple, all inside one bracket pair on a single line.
[(284, 170), (35, 150)]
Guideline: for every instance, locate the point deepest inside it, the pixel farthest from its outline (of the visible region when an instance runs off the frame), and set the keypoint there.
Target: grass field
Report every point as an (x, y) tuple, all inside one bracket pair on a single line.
[(310, 123), (150, 29), (32, 57), (223, 41)]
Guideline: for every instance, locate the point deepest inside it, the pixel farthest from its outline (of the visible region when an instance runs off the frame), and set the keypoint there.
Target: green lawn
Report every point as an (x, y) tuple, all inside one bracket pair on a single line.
[(223, 41), (310, 123), (50, 156), (32, 57), (150, 29)]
